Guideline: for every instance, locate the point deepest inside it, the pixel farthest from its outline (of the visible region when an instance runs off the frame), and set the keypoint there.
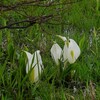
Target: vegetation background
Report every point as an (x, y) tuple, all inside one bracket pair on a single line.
[(33, 24)]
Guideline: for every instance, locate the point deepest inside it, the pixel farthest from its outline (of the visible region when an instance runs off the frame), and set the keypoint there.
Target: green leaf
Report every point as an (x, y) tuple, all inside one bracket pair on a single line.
[(11, 50), (82, 42)]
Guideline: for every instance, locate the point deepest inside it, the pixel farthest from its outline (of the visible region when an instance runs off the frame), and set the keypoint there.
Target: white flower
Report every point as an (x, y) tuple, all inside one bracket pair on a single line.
[(56, 53), (71, 50), (34, 64)]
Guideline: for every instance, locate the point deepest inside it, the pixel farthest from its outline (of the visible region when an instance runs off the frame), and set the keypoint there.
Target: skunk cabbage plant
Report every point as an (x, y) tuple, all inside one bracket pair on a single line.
[(70, 52), (56, 52), (34, 65)]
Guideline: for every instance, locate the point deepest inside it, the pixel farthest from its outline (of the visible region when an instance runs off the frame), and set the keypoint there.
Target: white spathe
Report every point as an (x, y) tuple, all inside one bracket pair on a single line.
[(56, 52), (35, 64), (71, 50), (62, 37)]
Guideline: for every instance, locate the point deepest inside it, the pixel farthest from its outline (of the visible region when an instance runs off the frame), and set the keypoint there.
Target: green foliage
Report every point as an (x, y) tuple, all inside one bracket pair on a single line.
[(80, 21)]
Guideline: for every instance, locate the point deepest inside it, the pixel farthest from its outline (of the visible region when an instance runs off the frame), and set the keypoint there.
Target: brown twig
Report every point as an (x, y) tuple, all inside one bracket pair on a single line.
[(29, 22), (33, 3), (17, 5)]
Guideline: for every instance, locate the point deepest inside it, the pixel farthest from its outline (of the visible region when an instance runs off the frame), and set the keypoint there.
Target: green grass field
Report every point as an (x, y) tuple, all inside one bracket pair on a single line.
[(76, 19)]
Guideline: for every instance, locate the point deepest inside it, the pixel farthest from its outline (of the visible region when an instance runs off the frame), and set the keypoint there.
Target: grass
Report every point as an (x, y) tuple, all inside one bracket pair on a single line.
[(81, 22)]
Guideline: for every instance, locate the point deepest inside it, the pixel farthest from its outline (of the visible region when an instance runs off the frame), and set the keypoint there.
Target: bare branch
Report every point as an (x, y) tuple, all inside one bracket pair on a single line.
[(17, 5), (29, 22), (33, 3)]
